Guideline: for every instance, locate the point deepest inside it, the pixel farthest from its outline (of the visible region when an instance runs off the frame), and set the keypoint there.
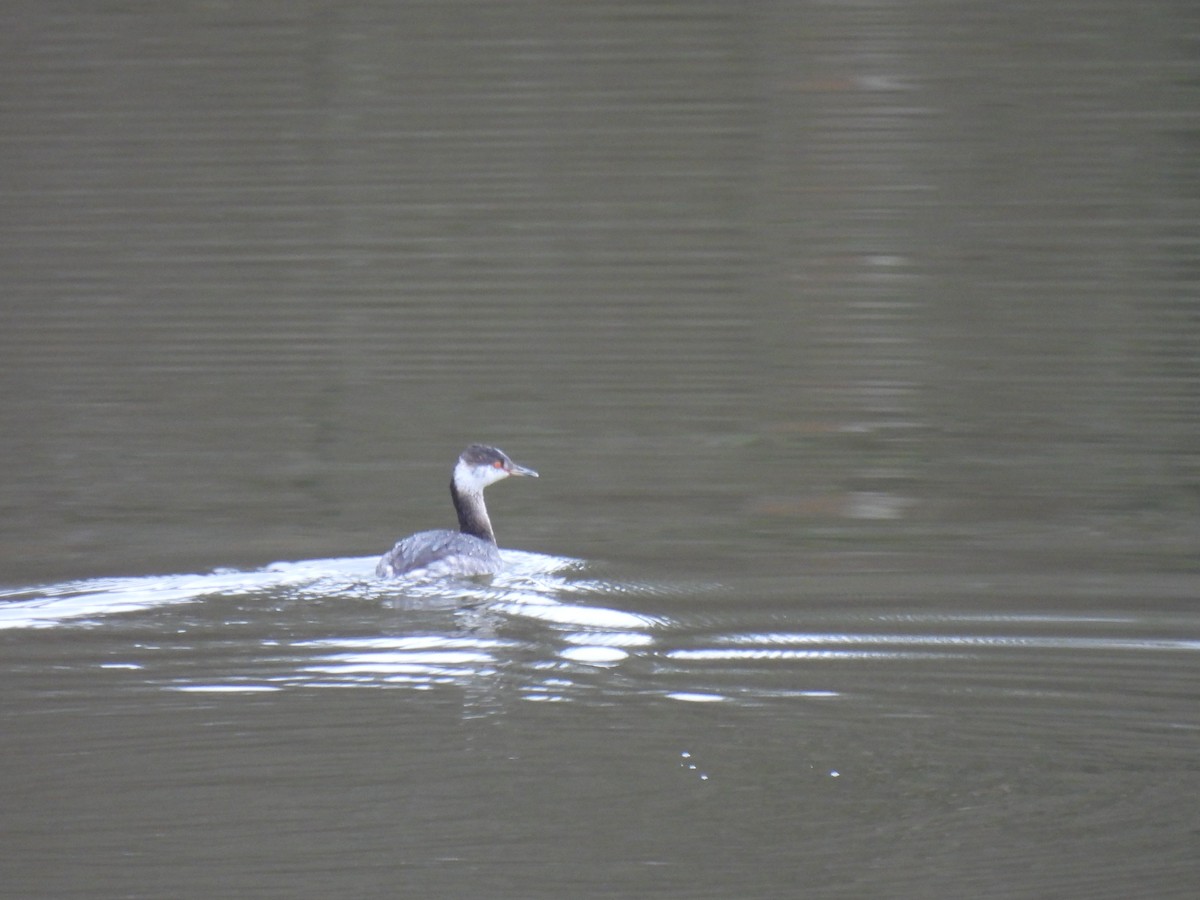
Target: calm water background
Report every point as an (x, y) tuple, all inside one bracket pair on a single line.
[(857, 346)]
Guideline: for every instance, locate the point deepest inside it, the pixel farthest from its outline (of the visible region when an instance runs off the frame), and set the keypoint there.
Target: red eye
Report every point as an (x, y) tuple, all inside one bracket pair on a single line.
[(497, 465)]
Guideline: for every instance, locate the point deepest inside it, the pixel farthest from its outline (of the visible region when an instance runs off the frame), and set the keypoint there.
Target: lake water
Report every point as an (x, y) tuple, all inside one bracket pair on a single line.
[(855, 345)]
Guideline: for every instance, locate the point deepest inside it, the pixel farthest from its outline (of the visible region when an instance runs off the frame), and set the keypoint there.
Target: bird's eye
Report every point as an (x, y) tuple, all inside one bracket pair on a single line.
[(497, 465)]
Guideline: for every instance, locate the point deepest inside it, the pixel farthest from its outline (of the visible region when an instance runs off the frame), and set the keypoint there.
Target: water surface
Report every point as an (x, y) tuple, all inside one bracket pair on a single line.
[(551, 731), (855, 344)]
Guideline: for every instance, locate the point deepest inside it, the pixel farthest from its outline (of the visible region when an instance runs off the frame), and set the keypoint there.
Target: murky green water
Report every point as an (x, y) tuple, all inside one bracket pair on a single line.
[(855, 346)]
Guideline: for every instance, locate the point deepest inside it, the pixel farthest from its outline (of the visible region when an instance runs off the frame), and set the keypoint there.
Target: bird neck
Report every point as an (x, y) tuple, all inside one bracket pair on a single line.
[(472, 513)]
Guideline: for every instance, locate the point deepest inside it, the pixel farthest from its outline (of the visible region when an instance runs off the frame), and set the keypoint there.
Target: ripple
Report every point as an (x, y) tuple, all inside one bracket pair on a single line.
[(695, 697), (1055, 642), (595, 655)]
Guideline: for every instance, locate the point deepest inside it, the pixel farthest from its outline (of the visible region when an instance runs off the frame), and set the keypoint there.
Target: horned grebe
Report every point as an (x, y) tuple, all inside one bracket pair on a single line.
[(472, 549)]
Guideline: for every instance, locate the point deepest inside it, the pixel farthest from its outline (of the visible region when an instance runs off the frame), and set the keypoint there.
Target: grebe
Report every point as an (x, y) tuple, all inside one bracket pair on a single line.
[(472, 549)]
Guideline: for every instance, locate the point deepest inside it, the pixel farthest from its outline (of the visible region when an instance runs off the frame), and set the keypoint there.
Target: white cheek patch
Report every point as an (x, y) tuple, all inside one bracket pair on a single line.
[(474, 479)]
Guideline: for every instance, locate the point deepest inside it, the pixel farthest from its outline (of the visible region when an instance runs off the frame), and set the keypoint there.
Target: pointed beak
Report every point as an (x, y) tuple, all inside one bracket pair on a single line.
[(514, 469)]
